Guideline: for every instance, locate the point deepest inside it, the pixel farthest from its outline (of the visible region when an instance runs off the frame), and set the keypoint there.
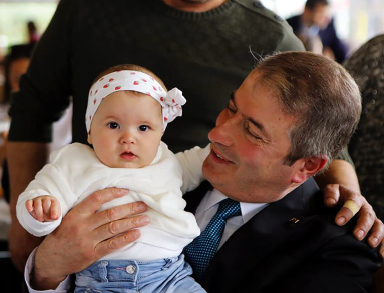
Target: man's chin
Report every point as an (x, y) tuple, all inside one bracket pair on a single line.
[(213, 176)]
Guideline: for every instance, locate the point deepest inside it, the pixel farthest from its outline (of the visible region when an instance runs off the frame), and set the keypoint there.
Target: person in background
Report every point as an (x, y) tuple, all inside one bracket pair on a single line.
[(15, 65), (316, 28), (366, 65), (202, 47), (33, 35)]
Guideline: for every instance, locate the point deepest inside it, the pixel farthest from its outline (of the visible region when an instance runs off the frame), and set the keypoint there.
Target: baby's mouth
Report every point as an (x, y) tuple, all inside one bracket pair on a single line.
[(129, 156)]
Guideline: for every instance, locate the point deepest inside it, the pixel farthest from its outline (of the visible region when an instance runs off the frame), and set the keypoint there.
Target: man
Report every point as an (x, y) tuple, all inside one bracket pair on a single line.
[(286, 122), (199, 46), (317, 31)]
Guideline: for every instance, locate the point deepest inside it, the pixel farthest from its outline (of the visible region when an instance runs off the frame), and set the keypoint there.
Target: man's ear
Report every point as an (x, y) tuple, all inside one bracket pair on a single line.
[(308, 167), (89, 138)]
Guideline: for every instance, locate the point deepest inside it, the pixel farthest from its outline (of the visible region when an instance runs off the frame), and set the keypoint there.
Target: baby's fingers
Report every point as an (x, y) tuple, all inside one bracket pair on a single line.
[(29, 205), (51, 208), (55, 209), (46, 203), (38, 209)]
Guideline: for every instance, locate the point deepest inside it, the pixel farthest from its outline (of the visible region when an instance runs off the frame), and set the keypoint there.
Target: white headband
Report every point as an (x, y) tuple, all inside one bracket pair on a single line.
[(128, 80)]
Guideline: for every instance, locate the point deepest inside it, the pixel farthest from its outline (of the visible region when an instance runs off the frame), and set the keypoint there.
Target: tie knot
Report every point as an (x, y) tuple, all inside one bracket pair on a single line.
[(229, 208)]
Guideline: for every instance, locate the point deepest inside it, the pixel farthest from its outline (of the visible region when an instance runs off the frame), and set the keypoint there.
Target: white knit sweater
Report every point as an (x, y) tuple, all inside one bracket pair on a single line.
[(75, 172)]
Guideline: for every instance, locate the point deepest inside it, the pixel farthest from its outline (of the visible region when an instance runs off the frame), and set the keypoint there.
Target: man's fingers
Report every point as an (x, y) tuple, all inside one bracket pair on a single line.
[(353, 202), (365, 222), (377, 234), (121, 226), (94, 201), (349, 209), (118, 213), (331, 194), (343, 216), (110, 245), (352, 206)]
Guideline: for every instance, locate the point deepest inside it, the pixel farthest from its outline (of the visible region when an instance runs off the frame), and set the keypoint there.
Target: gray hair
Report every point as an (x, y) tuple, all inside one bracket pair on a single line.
[(320, 94)]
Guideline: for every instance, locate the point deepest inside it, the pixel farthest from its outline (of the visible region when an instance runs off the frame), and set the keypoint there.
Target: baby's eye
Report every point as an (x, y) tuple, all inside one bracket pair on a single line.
[(113, 125), (143, 127)]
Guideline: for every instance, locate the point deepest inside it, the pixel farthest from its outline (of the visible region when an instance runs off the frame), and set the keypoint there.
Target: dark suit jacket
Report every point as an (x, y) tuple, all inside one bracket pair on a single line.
[(272, 253), (328, 37)]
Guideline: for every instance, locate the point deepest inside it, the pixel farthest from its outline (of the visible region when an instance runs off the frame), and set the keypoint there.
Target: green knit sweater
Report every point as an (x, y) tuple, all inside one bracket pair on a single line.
[(206, 55)]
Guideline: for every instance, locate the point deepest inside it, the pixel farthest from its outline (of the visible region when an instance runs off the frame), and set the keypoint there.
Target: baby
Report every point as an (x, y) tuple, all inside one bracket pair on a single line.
[(128, 111)]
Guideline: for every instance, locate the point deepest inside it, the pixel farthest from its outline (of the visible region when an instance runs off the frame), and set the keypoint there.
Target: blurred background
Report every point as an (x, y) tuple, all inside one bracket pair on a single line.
[(356, 21)]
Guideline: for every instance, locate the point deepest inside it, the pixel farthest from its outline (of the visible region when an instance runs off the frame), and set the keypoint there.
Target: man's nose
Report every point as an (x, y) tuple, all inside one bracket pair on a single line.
[(224, 132)]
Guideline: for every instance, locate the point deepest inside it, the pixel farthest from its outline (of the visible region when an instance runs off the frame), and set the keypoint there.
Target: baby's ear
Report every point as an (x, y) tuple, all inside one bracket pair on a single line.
[(89, 138)]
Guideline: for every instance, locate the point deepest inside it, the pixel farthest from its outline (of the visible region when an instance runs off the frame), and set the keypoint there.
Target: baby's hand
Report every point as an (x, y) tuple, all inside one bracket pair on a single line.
[(44, 208)]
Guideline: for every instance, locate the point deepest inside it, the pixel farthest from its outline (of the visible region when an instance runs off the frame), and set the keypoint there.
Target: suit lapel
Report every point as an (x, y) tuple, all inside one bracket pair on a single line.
[(250, 245)]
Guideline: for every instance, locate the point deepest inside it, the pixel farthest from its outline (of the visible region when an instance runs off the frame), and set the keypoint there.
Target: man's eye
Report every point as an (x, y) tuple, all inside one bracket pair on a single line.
[(231, 109), (143, 127), (113, 125), (254, 135), (250, 132)]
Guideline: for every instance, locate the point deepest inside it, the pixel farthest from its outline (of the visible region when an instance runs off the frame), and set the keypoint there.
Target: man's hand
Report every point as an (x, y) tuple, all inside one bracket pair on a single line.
[(85, 236), (335, 193)]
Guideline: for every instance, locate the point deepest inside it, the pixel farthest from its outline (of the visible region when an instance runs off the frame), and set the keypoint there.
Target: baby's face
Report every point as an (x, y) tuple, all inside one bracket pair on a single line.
[(126, 130)]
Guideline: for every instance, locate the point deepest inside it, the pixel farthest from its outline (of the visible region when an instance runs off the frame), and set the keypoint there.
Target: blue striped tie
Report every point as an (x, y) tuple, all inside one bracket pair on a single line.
[(201, 250)]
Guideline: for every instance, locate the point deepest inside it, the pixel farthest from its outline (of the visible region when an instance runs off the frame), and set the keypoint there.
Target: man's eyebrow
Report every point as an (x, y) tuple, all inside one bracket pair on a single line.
[(251, 120), (257, 124)]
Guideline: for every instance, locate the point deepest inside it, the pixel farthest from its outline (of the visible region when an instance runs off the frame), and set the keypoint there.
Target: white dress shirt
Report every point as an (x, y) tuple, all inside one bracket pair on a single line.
[(209, 205)]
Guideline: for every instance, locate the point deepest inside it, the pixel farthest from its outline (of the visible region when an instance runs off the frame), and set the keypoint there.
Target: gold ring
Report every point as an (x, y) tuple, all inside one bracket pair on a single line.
[(352, 206)]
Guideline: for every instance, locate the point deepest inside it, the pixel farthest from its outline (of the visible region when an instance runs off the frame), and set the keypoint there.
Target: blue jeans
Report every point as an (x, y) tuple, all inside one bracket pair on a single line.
[(125, 276)]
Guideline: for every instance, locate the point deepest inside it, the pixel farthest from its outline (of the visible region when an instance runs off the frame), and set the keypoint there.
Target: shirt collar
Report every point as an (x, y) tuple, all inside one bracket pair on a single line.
[(248, 210)]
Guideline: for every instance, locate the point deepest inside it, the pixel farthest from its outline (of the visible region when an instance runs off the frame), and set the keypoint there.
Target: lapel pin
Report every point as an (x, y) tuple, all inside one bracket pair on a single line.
[(294, 220)]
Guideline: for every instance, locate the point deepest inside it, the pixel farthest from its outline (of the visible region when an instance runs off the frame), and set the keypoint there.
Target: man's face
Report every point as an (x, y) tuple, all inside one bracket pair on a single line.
[(321, 15), (126, 130), (249, 144)]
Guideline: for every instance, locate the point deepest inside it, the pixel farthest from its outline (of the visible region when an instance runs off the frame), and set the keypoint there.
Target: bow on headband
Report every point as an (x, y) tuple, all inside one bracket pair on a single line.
[(129, 80)]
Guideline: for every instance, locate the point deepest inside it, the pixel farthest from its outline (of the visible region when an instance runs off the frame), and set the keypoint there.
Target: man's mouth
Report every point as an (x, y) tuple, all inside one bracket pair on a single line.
[(129, 156), (219, 157)]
